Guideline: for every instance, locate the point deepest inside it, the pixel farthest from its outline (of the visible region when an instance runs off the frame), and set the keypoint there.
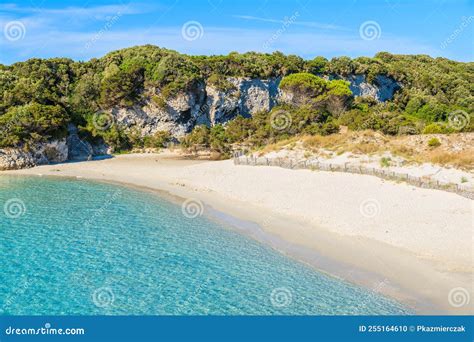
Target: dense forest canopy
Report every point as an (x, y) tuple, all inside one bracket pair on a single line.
[(39, 97)]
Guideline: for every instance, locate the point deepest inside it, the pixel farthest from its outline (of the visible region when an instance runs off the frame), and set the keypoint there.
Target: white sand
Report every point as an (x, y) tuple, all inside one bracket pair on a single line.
[(413, 244)]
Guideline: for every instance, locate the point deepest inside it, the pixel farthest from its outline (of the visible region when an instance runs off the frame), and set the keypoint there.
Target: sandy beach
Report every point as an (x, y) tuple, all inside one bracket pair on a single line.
[(415, 245)]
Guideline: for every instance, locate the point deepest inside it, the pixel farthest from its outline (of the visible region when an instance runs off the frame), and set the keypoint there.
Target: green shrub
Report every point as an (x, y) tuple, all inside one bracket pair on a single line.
[(310, 90), (394, 124), (158, 140), (32, 123), (434, 142), (437, 128), (385, 161), (433, 128), (304, 84), (432, 111), (239, 129), (121, 87), (199, 137), (159, 101), (318, 65), (101, 128), (221, 83), (339, 88), (329, 127), (219, 140)]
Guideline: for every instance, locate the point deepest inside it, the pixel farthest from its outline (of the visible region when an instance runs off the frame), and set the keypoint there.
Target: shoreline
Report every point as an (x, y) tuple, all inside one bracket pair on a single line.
[(418, 281)]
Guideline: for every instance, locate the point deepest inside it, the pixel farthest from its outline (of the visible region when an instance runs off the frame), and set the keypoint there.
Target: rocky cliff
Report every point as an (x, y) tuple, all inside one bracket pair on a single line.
[(51, 152), (72, 148), (381, 89), (204, 104)]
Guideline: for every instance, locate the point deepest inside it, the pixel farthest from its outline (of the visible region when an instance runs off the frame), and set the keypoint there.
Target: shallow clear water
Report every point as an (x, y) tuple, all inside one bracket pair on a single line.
[(79, 247)]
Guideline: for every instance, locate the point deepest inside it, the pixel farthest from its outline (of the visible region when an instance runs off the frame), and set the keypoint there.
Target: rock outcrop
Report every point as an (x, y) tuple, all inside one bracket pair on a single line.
[(247, 97), (176, 115), (55, 151), (78, 149), (258, 95), (381, 89), (207, 105), (220, 106), (203, 105), (14, 159)]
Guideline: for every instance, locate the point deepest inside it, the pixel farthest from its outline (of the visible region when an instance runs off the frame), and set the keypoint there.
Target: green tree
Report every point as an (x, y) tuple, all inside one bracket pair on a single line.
[(318, 65), (32, 123), (198, 138)]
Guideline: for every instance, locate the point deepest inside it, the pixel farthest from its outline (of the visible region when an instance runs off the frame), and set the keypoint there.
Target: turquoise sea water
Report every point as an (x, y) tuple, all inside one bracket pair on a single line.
[(79, 247)]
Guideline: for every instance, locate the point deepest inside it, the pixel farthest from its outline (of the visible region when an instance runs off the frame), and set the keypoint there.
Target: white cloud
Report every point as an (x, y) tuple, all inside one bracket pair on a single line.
[(50, 18), (216, 40), (312, 24), (92, 11), (44, 37)]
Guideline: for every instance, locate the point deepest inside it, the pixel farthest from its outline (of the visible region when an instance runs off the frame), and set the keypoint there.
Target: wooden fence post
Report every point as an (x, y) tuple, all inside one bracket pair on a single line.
[(315, 164)]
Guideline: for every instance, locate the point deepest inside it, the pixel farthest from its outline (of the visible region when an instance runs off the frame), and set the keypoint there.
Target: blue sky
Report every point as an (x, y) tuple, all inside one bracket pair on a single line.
[(85, 29)]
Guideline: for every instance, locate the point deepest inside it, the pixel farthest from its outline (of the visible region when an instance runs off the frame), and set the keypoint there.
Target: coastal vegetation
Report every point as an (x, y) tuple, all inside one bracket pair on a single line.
[(453, 150), (31, 123), (40, 97)]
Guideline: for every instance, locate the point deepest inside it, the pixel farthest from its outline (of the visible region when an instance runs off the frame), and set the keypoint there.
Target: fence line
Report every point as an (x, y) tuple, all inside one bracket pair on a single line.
[(308, 164)]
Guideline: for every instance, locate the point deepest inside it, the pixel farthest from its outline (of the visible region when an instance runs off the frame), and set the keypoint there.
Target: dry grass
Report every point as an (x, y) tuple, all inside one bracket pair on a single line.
[(287, 143), (462, 160), (456, 150), (366, 142)]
